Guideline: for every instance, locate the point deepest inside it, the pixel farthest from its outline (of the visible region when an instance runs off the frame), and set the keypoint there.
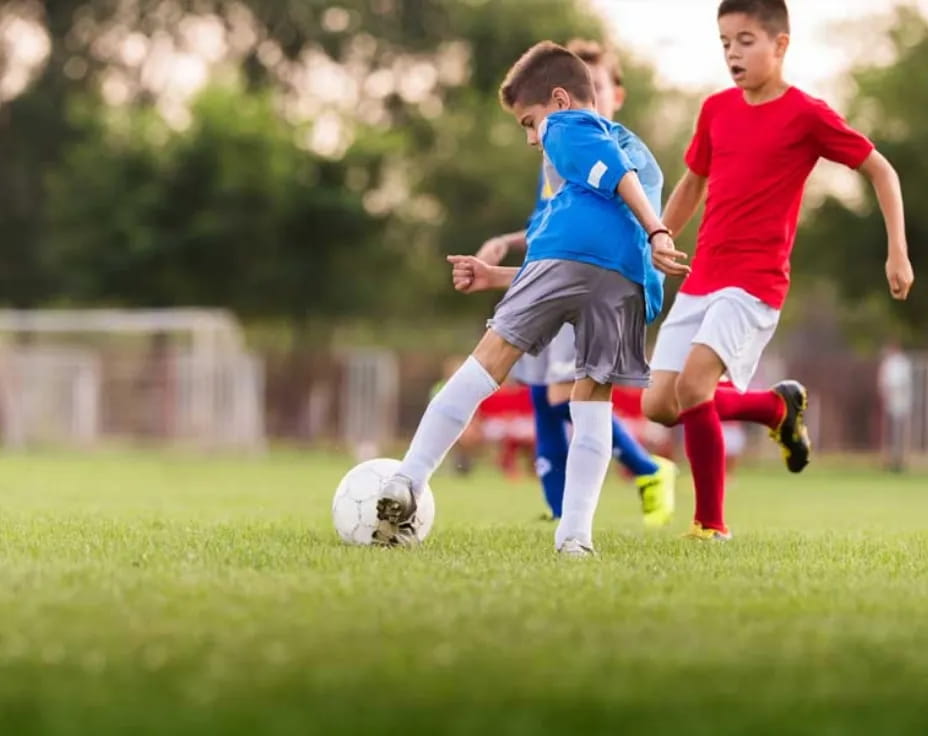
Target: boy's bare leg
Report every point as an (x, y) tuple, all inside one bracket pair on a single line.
[(654, 477), (558, 393), (496, 355), (445, 418), (659, 401), (587, 464), (586, 389), (781, 408)]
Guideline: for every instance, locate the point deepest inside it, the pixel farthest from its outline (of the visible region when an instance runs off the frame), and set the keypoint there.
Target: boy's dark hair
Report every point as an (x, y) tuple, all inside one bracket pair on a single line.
[(594, 53), (773, 15), (541, 69)]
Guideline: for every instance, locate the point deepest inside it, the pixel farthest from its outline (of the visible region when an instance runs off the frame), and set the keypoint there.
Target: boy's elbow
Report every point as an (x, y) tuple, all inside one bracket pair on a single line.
[(876, 166)]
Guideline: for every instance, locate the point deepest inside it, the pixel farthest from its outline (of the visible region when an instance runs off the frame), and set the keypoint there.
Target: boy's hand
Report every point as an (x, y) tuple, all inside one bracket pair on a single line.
[(494, 250), (664, 256), (900, 276), (469, 274)]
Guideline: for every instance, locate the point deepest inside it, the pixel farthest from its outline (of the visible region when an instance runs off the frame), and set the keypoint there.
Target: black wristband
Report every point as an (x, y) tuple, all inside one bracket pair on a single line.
[(658, 232)]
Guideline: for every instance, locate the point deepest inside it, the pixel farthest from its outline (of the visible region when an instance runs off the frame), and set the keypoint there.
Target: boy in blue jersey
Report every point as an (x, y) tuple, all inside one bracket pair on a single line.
[(550, 374), (588, 263)]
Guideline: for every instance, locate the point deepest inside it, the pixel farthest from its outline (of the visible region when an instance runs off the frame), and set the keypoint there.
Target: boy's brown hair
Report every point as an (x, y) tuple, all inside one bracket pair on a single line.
[(594, 54), (773, 15), (541, 69)]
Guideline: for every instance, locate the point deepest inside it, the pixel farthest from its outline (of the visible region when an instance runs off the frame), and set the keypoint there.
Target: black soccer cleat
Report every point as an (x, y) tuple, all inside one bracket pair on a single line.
[(792, 435)]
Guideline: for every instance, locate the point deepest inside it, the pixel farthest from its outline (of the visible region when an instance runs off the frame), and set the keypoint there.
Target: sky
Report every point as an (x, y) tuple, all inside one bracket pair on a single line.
[(680, 37)]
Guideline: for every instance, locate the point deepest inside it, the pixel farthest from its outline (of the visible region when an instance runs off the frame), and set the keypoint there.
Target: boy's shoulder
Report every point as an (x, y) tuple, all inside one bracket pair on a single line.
[(565, 120), (734, 96), (797, 100), (627, 138), (723, 98), (810, 102)]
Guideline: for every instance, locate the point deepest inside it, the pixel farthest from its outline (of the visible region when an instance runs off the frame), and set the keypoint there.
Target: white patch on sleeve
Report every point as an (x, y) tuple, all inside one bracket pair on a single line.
[(596, 174)]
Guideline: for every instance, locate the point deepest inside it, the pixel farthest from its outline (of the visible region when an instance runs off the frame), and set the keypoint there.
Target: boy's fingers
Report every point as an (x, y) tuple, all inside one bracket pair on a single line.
[(671, 253), (898, 287), (671, 267)]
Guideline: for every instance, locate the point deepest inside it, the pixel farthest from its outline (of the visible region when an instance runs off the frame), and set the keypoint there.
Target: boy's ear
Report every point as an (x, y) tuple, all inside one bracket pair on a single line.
[(561, 97), (619, 98), (782, 44)]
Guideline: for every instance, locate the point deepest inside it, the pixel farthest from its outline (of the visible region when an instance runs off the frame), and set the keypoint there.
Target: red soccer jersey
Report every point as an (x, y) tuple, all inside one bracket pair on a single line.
[(757, 159)]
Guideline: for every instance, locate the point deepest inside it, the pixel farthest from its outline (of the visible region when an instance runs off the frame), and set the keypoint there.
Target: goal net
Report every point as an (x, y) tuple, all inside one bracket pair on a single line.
[(81, 377)]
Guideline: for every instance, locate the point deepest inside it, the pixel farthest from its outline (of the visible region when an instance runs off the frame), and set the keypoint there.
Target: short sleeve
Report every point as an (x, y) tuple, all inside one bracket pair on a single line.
[(699, 154), (836, 140), (584, 153)]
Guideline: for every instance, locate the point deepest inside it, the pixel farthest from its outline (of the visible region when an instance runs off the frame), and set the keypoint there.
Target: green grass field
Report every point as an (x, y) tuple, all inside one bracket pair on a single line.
[(145, 593)]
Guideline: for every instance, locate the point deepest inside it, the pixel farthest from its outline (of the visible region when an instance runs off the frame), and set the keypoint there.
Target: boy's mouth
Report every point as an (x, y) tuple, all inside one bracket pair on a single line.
[(738, 71)]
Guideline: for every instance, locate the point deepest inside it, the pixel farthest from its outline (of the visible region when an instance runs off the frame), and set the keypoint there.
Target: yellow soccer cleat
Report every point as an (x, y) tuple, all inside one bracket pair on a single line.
[(704, 534), (658, 493)]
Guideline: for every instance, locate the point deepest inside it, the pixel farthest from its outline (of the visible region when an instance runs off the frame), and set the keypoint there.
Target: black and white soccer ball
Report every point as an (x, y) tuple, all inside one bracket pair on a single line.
[(354, 507)]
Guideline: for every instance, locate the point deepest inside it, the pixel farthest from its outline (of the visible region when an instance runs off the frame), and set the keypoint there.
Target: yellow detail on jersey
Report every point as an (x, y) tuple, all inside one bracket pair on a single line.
[(546, 191)]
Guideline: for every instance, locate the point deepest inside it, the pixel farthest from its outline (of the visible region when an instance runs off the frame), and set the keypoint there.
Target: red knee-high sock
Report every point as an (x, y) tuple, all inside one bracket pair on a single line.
[(705, 448), (760, 407)]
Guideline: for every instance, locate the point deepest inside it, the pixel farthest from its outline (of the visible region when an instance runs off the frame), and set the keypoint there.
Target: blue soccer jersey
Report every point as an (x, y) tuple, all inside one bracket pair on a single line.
[(586, 157)]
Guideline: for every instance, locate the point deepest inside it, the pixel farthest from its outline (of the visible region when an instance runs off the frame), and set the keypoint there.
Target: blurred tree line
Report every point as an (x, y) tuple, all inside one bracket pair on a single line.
[(329, 158), (842, 245), (306, 160)]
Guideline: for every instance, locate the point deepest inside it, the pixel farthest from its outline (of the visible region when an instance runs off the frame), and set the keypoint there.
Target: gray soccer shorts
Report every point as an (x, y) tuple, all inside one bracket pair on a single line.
[(557, 363), (606, 310)]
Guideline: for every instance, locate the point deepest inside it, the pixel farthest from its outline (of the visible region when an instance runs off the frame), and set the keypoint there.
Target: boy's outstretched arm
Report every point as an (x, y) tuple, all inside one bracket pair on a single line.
[(470, 274), (885, 182), (684, 201), (664, 253), (497, 248)]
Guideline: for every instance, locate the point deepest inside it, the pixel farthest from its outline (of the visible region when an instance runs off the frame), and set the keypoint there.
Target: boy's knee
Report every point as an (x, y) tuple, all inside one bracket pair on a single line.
[(692, 391), (496, 355), (659, 407)]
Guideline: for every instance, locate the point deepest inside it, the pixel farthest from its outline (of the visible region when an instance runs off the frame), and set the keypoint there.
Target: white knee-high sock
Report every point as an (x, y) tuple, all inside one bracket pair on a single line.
[(445, 419), (587, 464)]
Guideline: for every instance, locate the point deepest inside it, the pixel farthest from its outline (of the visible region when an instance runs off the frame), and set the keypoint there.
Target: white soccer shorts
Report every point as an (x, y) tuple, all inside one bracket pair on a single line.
[(736, 325)]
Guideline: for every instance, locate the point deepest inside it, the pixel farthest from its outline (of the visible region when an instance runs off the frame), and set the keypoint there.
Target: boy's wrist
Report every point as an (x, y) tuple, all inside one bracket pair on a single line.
[(660, 230), (500, 276)]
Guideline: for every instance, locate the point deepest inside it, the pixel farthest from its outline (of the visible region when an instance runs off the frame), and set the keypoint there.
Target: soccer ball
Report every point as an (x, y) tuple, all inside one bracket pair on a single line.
[(354, 507)]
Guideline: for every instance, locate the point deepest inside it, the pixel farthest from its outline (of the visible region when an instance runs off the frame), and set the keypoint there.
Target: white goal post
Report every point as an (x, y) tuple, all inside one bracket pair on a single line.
[(83, 376)]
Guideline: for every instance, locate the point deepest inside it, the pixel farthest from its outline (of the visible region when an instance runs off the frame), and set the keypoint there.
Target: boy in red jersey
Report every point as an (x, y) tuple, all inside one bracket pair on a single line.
[(753, 149)]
